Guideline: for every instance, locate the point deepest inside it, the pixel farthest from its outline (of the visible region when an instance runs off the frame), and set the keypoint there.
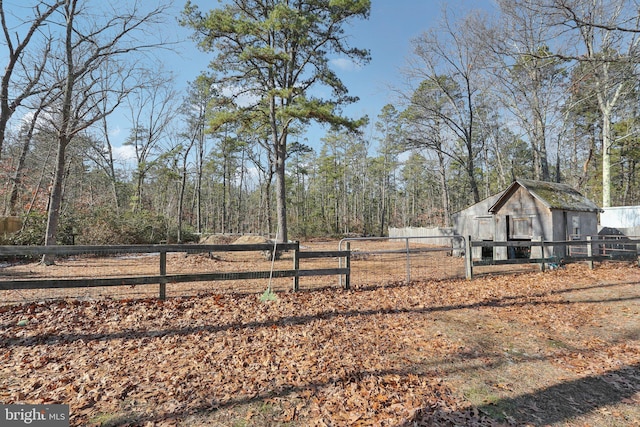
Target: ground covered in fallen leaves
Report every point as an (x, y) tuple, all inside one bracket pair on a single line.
[(554, 348)]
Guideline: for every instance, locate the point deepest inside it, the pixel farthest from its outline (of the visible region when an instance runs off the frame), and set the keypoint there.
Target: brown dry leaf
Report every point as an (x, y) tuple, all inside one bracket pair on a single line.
[(380, 356)]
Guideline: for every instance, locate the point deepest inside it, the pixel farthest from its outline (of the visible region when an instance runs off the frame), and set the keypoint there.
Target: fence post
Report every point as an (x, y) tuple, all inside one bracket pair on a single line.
[(296, 267), (590, 252), (408, 260), (638, 253), (347, 277), (468, 258), (542, 256), (163, 273)]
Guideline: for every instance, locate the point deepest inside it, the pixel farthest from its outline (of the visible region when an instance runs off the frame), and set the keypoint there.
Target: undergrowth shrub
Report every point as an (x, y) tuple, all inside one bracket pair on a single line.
[(33, 230), (189, 235), (105, 227), (100, 227), (32, 233)]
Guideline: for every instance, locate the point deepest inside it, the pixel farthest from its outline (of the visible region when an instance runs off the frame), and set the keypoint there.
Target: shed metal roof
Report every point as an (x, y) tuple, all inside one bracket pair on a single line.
[(551, 194)]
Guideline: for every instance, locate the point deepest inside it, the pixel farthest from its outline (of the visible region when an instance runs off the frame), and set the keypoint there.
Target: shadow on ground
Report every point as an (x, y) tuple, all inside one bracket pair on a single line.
[(548, 406)]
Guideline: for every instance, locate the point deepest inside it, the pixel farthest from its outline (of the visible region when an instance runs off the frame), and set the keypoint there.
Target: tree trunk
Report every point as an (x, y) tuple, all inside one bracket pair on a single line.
[(279, 142), (606, 103), (199, 202), (4, 118), (281, 196), (442, 172), (55, 200), (137, 204), (267, 200), (541, 163), (16, 180), (114, 187), (183, 184), (606, 159), (239, 208), (471, 173), (225, 184)]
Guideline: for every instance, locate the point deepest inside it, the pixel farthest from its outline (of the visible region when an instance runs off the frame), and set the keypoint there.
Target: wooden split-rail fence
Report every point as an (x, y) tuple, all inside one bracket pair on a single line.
[(162, 278), (591, 249)]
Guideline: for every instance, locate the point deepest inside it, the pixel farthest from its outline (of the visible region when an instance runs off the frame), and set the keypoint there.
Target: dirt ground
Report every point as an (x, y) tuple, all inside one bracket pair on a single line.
[(557, 348)]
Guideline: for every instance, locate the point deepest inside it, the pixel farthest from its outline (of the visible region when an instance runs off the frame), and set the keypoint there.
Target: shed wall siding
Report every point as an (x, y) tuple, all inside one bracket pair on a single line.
[(467, 221), (523, 205)]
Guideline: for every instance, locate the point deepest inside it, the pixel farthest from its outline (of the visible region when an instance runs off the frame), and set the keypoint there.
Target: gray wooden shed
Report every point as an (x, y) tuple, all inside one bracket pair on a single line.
[(529, 211), (476, 221)]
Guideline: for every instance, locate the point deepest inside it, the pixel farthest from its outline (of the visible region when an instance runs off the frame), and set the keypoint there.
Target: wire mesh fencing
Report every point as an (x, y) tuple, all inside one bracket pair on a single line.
[(382, 260)]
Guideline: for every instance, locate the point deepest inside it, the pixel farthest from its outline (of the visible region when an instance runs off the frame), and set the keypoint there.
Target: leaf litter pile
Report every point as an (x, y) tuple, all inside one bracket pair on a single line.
[(553, 348)]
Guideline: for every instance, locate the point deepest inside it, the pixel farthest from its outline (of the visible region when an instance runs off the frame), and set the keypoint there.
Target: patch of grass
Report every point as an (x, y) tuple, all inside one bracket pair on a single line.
[(497, 411), (553, 343), (266, 409), (254, 414), (481, 395)]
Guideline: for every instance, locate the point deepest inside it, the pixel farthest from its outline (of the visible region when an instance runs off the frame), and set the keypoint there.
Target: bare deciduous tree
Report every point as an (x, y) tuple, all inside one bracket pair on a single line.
[(12, 92), (447, 60), (603, 34), (152, 108), (528, 74), (91, 50)]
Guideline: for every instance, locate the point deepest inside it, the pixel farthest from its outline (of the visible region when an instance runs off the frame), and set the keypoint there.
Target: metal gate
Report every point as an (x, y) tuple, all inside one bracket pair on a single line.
[(388, 260)]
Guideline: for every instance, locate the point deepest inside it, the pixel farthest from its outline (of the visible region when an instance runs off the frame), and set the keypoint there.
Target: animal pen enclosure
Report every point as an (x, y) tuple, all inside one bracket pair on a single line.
[(180, 270), (126, 272)]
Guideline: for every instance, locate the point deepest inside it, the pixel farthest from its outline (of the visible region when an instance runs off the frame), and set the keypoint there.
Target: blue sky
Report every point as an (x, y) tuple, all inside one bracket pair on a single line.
[(387, 34)]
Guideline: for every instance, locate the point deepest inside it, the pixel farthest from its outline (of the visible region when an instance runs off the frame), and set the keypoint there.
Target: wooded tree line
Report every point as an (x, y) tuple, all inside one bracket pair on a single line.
[(540, 89)]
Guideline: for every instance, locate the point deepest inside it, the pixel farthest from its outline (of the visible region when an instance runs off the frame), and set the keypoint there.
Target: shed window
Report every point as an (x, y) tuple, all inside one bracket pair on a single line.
[(521, 228), (575, 225), (484, 229)]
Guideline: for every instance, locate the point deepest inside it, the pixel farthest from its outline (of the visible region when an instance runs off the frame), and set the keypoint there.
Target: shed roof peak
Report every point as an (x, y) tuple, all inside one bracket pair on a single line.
[(553, 195)]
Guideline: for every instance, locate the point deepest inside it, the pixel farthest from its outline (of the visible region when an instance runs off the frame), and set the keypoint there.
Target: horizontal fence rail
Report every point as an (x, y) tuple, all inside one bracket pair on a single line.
[(162, 279), (591, 249)]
